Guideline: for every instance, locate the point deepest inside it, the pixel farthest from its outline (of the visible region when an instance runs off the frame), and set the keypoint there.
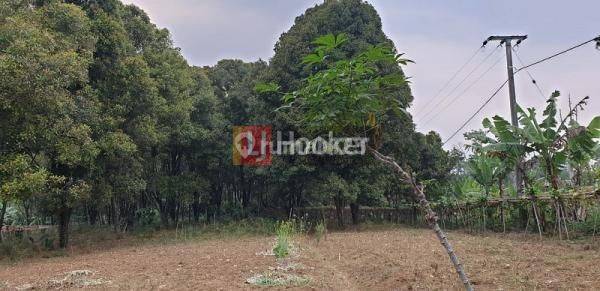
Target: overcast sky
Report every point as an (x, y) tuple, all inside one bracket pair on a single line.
[(439, 36)]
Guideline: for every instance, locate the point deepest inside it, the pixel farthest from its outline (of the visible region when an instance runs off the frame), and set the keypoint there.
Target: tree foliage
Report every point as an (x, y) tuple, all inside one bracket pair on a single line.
[(103, 121)]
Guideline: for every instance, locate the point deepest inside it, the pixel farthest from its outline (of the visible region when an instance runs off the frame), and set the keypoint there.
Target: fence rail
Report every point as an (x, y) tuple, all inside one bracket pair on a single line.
[(9, 229), (516, 210)]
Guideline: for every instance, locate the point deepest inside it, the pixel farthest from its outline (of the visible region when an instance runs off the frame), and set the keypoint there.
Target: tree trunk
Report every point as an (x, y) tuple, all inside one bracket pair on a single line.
[(430, 216), (354, 210), (554, 182), (2, 214), (162, 210), (196, 207), (216, 199), (93, 214), (552, 174), (339, 210), (127, 215), (114, 218), (63, 228), (502, 195), (245, 185), (164, 219), (26, 211), (577, 177)]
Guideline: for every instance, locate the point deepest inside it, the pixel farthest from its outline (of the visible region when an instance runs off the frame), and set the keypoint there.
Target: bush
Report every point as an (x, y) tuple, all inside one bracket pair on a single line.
[(147, 217), (591, 225)]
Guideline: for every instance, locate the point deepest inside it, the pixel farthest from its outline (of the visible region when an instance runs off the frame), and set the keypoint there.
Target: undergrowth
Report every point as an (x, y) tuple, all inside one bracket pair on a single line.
[(591, 225), (88, 239)]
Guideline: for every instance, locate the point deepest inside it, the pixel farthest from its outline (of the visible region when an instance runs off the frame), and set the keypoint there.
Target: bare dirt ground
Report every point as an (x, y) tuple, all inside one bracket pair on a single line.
[(397, 259)]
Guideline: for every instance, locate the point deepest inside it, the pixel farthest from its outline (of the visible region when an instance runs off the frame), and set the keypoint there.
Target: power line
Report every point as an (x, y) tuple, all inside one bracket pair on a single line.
[(459, 84), (458, 96), (476, 112), (451, 78), (533, 81), (597, 40)]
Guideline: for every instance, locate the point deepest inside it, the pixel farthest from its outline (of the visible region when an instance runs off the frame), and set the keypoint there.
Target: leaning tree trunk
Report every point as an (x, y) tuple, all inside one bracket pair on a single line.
[(63, 228), (430, 216)]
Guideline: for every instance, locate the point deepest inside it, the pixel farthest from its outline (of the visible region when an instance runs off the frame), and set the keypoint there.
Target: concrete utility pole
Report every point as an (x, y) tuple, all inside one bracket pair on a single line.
[(507, 41)]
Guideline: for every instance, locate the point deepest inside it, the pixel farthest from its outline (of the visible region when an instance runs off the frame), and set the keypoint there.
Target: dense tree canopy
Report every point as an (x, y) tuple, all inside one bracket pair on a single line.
[(103, 121)]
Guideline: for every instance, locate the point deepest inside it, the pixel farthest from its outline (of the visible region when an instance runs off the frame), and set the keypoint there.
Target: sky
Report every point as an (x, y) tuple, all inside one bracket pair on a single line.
[(440, 36)]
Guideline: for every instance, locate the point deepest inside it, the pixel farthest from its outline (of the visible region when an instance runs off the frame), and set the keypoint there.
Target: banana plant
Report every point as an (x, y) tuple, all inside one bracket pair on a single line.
[(485, 170), (552, 140), (579, 153), (504, 156)]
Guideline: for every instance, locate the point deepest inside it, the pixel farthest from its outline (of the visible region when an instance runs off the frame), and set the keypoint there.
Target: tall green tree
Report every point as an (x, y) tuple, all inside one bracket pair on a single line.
[(348, 97), (46, 52), (362, 26), (19, 181)]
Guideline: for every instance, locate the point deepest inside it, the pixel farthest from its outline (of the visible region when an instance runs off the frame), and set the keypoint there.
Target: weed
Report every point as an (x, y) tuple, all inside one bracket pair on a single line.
[(320, 230), (272, 279), (77, 279), (284, 231)]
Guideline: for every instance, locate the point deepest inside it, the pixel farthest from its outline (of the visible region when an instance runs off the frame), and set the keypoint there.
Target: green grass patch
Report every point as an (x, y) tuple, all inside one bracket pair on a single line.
[(274, 279)]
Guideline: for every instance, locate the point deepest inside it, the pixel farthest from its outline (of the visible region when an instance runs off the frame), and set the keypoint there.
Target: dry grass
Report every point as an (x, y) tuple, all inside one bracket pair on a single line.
[(382, 259)]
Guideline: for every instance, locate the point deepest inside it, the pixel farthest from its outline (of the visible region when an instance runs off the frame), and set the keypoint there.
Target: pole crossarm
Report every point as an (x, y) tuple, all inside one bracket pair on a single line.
[(505, 38)]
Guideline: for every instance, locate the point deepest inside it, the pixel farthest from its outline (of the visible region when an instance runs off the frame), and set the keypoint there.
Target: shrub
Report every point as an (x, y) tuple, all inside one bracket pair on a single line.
[(147, 217), (591, 225)]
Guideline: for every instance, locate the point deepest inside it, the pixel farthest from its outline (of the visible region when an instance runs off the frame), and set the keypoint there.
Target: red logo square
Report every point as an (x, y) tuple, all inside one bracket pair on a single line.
[(252, 145)]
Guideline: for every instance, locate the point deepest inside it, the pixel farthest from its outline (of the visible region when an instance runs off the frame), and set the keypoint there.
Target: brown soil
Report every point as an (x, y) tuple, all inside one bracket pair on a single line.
[(368, 260)]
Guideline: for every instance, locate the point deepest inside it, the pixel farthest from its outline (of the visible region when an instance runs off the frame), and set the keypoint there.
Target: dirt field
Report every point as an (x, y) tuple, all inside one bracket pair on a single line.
[(368, 260)]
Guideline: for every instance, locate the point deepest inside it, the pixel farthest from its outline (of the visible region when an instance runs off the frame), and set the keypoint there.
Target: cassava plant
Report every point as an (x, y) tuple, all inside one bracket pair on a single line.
[(348, 96)]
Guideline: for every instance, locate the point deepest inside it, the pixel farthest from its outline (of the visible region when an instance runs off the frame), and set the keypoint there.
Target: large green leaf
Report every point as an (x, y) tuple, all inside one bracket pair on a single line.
[(550, 112), (594, 127)]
